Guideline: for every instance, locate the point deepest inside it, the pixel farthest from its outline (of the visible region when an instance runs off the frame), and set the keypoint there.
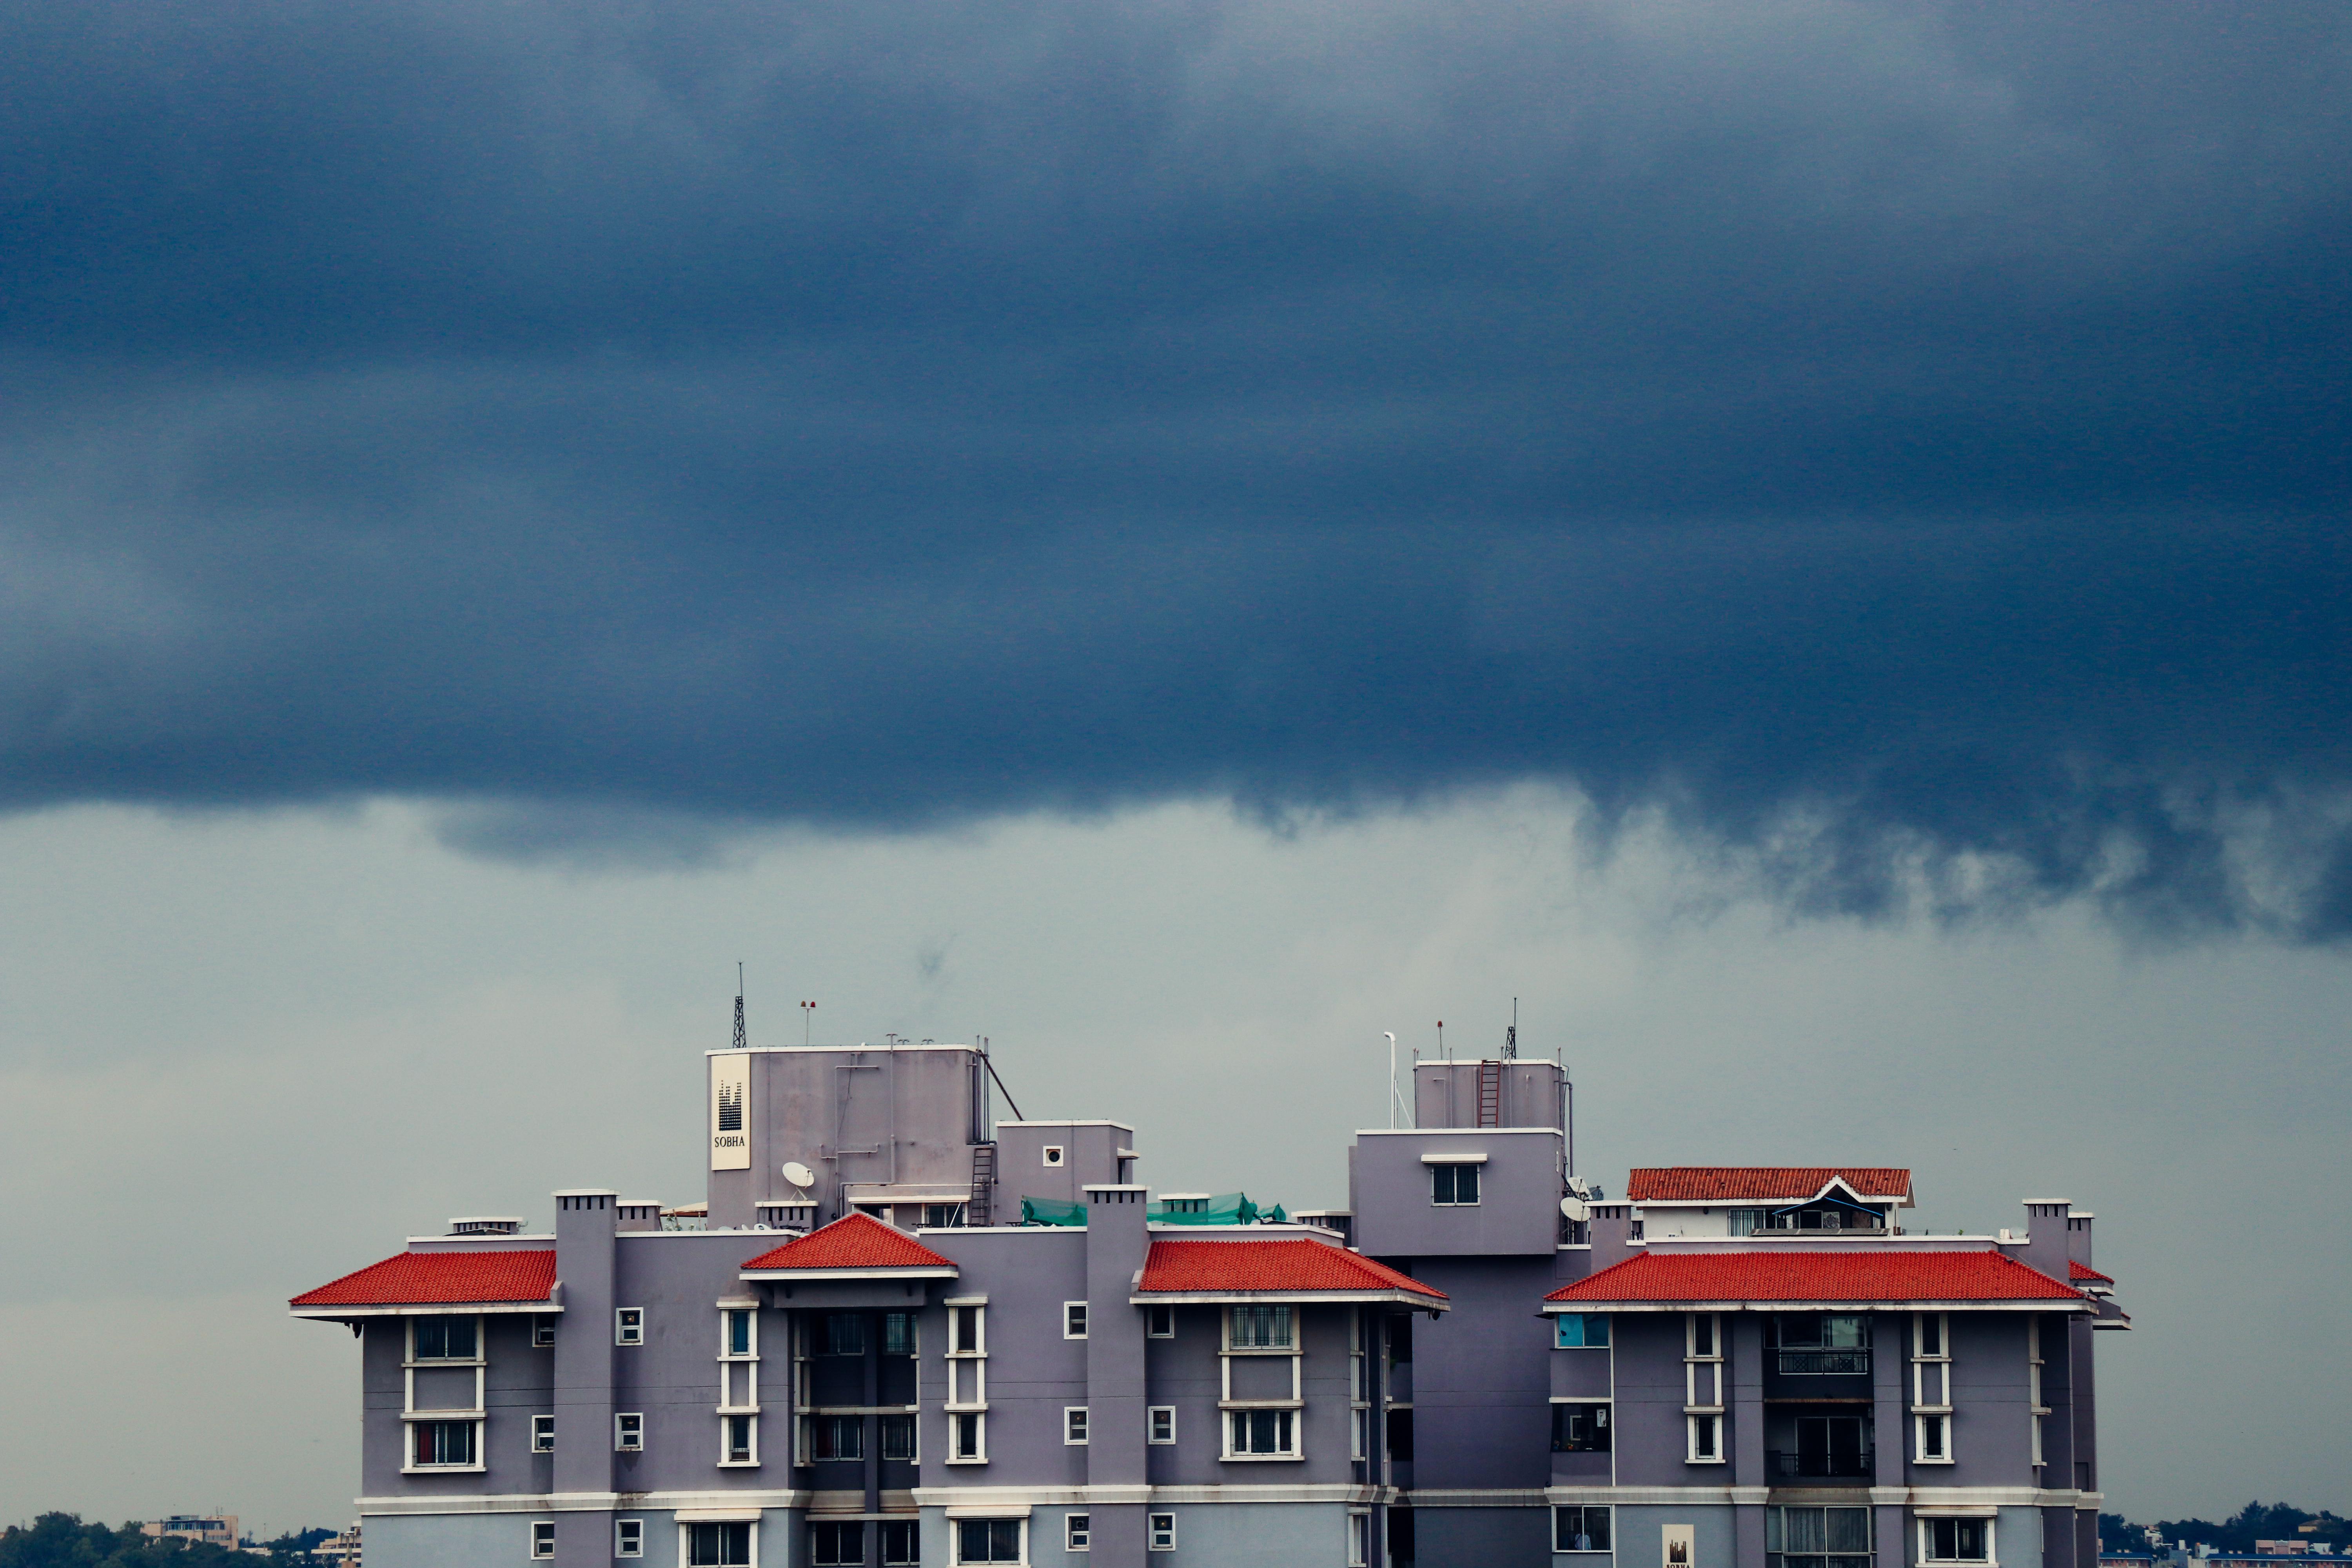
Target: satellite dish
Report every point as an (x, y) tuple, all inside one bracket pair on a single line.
[(798, 1174), (1576, 1208)]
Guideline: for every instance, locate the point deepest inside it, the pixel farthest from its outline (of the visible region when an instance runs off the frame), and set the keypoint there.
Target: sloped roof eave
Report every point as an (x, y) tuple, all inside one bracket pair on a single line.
[(1414, 1299)]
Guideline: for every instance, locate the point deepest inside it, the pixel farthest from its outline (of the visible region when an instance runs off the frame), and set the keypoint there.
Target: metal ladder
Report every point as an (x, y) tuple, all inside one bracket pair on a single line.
[(1490, 1094), (983, 1182)]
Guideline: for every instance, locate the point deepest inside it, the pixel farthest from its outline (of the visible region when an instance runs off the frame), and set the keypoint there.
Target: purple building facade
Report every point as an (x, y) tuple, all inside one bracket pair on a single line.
[(856, 1352)]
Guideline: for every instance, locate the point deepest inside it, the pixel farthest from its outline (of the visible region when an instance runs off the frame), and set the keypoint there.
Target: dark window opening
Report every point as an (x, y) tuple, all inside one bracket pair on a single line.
[(1579, 1428)]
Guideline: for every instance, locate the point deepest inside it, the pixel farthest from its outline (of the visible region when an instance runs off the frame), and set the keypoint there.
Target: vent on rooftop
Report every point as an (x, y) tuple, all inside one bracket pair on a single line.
[(486, 1224)]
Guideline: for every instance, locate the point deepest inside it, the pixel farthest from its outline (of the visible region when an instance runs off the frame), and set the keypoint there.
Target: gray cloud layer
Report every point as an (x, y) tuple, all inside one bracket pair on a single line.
[(1884, 435)]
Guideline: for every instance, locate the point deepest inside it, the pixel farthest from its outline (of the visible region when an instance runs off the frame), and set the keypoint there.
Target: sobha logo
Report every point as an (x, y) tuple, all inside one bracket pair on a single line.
[(730, 1098), (730, 1107)]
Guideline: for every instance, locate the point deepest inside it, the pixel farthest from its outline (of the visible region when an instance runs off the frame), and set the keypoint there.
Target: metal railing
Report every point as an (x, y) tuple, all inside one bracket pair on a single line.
[(1826, 1363), (1839, 1466)]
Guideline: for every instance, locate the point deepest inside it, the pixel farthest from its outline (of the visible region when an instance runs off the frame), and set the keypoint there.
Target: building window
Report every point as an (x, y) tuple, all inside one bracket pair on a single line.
[(1360, 1540), (1579, 1428), (899, 1438), (1261, 1328), (1077, 1532), (629, 1433), (738, 1332), (1820, 1345), (1581, 1529), (1455, 1185), (1160, 1424), (834, 1545), (967, 1438), (988, 1539), (443, 1443), (542, 1331), (628, 1538), (739, 1439), (1744, 1222), (1073, 1319), (967, 1330), (1400, 1432), (1074, 1426), (1956, 1540), (1705, 1439), (719, 1545), (1053, 1152), (943, 1217), (542, 1434), (1160, 1322), (845, 1334), (1817, 1538), (899, 1335), (628, 1325), (1262, 1432), (1580, 1331), (542, 1538), (833, 1437), (902, 1544), (1160, 1533), (1934, 1437), (444, 1339)]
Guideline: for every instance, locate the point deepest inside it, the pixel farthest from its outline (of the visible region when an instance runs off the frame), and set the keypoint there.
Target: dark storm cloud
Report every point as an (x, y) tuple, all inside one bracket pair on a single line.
[(1877, 435)]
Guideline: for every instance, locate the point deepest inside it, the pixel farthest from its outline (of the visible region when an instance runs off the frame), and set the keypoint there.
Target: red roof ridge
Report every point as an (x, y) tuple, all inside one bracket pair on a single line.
[(856, 1240), (425, 1279), (2084, 1271), (1289, 1265), (1844, 1275)]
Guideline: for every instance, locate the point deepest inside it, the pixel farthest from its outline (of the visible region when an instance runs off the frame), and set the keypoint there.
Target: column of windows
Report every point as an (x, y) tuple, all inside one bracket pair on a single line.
[(739, 1386), (1931, 1388), (1703, 1386), (967, 1401)]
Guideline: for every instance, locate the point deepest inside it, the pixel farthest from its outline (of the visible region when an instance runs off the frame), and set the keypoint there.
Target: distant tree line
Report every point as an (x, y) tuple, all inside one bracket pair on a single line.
[(63, 1541), (2255, 1521)]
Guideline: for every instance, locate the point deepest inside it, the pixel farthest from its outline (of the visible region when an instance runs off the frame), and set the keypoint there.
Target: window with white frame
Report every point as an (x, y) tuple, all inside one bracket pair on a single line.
[(1077, 1532), (943, 1217), (1160, 1322), (989, 1539), (1360, 1540), (717, 1545), (738, 1360), (902, 1544), (1260, 1328), (1580, 1529), (2036, 1408), (1073, 1319), (628, 1538), (1817, 1538), (1160, 1424), (1956, 1541), (1360, 1387), (628, 1325), (1261, 1435), (1160, 1531), (1453, 1185), (1931, 1388), (1261, 1348), (628, 1432), (542, 1538), (444, 1446), (542, 1331), (1580, 1331), (445, 1430), (739, 1441), (1579, 1426), (542, 1434), (834, 1438), (837, 1544), (1074, 1426), (898, 1442), (456, 1338), (1703, 1387), (967, 1364)]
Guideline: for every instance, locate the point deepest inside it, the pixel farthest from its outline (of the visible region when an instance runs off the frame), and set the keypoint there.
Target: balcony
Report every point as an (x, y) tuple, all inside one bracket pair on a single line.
[(1825, 1363), (1812, 1464)]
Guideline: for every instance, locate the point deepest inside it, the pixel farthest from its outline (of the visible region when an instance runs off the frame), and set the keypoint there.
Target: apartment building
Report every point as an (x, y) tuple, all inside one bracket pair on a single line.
[(857, 1353)]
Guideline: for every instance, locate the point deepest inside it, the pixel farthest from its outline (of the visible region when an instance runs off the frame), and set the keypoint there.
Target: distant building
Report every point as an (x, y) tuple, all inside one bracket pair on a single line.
[(343, 1551), (210, 1529), (853, 1352)]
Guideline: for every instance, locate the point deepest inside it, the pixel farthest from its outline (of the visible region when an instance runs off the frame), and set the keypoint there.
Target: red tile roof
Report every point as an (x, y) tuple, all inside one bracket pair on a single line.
[(1841, 1275), (1291, 1265), (2084, 1271), (423, 1278), (1733, 1183), (853, 1241)]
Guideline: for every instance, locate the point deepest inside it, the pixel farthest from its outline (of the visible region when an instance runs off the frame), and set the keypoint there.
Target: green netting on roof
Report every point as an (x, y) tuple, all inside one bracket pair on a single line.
[(1052, 1211), (1225, 1209)]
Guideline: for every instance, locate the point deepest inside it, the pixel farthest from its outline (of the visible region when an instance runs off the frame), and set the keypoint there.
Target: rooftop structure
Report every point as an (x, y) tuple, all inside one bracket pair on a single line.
[(852, 1352)]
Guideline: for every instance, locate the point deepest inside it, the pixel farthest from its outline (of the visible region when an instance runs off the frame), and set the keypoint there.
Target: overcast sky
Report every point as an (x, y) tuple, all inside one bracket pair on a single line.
[(1806, 542)]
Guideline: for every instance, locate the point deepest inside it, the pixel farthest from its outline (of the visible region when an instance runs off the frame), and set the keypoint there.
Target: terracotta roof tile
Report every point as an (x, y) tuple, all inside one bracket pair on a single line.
[(422, 1279), (1289, 1265), (1785, 1184), (853, 1241), (2084, 1271), (1824, 1276)]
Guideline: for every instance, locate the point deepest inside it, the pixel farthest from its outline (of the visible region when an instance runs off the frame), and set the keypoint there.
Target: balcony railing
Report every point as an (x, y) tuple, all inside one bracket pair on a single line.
[(1825, 1363), (1828, 1467)]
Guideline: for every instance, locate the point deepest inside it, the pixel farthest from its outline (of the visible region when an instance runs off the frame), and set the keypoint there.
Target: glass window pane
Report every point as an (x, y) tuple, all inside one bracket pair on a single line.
[(1842, 1333), (1804, 1529), (1849, 1530)]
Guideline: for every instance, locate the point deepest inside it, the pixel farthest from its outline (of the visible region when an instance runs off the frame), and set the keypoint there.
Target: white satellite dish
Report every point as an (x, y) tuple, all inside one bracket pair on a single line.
[(798, 1174), (1576, 1208)]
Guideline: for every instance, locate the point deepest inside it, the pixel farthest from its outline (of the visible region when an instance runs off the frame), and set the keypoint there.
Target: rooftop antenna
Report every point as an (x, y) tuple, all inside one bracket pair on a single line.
[(808, 1021), (741, 1042), (1511, 1035), (1396, 1095), (1441, 1042)]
